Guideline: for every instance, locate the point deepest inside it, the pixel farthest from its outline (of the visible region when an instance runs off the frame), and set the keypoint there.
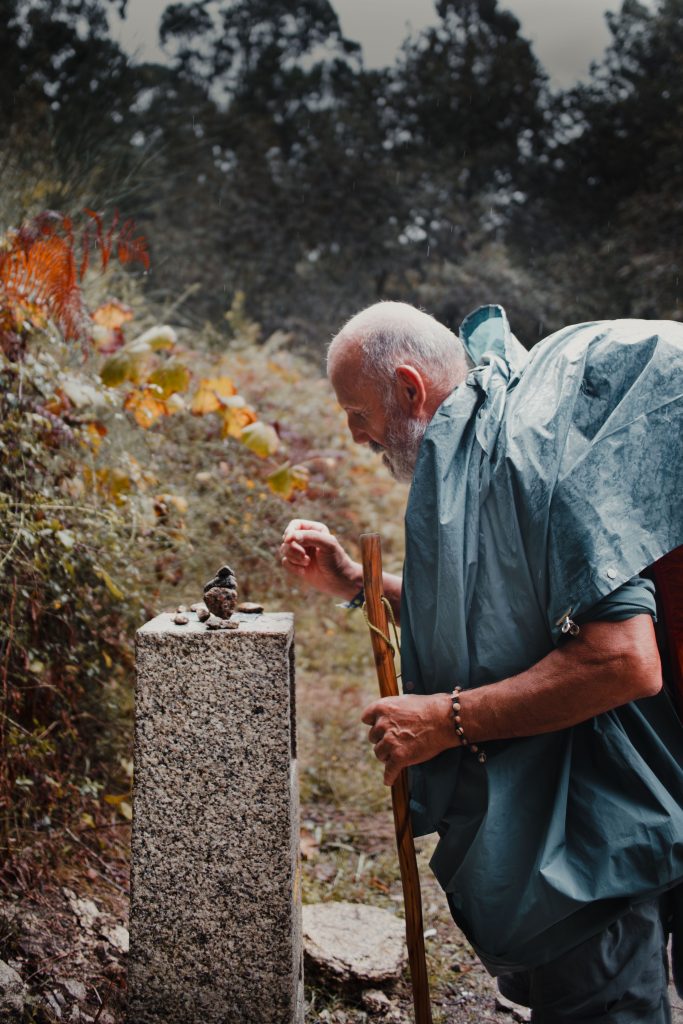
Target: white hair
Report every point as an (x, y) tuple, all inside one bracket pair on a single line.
[(391, 333)]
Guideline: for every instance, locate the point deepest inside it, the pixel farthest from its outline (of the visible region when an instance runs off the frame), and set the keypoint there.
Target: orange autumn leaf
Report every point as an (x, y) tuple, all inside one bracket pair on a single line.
[(44, 274), (145, 406), (95, 431), (107, 330), (112, 314), (208, 396), (58, 404), (41, 268), (111, 481), (235, 419)]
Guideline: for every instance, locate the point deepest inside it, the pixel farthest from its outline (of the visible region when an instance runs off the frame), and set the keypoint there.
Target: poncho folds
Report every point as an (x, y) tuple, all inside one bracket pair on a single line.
[(543, 483)]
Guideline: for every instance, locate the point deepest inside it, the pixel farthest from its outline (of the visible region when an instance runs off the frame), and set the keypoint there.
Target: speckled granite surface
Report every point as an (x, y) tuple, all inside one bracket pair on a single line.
[(215, 908)]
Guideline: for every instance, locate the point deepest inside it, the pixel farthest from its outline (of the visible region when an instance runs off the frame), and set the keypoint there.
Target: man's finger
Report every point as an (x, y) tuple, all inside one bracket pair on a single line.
[(295, 553), (290, 567), (312, 539), (376, 733), (303, 524), (391, 773), (383, 751), (370, 714)]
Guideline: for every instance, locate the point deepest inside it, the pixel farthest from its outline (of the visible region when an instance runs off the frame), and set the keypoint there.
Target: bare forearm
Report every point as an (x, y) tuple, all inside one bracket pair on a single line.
[(599, 670), (608, 665)]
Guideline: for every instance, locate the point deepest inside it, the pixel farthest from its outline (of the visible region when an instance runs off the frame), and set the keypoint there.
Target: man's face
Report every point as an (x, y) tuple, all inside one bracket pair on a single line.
[(375, 419)]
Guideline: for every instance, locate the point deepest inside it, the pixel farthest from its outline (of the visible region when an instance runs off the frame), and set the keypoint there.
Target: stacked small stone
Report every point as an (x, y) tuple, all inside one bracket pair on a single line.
[(220, 601), (220, 593)]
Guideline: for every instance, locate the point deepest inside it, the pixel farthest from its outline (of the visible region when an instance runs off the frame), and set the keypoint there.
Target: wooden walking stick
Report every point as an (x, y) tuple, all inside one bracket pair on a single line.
[(388, 686)]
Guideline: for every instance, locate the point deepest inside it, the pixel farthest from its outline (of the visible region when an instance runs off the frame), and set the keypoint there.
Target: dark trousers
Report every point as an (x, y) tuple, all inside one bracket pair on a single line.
[(619, 976)]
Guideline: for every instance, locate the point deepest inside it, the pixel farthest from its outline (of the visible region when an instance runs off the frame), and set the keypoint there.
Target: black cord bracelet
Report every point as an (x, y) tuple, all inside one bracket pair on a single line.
[(357, 601)]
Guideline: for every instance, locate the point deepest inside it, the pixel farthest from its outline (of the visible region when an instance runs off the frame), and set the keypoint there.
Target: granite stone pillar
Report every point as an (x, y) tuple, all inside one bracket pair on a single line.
[(215, 921)]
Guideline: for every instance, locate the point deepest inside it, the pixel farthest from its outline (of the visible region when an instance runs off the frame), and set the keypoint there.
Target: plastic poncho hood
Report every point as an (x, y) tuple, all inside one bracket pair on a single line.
[(545, 481)]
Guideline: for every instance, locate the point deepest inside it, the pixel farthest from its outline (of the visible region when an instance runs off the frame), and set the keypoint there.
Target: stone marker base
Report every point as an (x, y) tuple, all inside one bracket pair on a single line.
[(215, 922)]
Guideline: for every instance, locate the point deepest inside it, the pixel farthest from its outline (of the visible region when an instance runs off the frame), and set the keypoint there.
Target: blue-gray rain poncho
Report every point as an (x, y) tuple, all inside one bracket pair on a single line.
[(543, 483)]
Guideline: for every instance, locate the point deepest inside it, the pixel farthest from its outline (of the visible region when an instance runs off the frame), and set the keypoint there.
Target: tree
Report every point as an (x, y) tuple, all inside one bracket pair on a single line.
[(471, 94), (621, 132), (306, 187), (611, 177), (65, 93)]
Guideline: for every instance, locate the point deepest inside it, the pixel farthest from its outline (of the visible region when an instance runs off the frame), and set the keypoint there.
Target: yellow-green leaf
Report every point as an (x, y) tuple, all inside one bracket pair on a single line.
[(121, 802), (170, 379), (116, 370), (115, 591), (260, 438), (287, 479), (125, 810)]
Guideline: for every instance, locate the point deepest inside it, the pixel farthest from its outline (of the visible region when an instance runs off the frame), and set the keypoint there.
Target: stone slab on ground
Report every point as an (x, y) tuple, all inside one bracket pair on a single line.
[(13, 994), (354, 943), (215, 929)]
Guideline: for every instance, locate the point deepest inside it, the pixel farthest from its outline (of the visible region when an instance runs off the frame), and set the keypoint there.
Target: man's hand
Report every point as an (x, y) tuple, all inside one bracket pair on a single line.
[(314, 555), (409, 730), (607, 665)]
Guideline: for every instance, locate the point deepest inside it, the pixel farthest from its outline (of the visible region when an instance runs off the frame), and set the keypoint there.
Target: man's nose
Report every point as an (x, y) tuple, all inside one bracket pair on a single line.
[(359, 436), (357, 433)]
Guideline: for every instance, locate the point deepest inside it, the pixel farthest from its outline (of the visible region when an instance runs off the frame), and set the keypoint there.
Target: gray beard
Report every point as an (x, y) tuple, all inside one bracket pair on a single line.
[(404, 437)]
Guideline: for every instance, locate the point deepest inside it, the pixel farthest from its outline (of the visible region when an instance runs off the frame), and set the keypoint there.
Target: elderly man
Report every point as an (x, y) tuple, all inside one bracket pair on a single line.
[(542, 748)]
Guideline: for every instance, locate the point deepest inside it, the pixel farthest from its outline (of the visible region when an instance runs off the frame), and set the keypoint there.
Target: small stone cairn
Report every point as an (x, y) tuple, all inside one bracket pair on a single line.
[(220, 601)]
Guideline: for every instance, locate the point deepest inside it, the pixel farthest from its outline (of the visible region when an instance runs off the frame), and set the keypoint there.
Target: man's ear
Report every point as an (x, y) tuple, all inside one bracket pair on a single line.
[(411, 390)]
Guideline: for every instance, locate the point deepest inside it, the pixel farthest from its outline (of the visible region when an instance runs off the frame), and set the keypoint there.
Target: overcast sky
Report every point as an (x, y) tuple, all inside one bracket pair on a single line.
[(567, 34)]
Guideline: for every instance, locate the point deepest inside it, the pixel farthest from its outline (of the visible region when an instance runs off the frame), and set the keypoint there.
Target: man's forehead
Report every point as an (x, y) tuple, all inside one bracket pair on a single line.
[(353, 392), (345, 368)]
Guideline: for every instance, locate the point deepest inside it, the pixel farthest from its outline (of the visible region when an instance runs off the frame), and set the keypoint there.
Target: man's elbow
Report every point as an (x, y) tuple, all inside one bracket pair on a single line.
[(646, 677), (628, 656), (642, 666)]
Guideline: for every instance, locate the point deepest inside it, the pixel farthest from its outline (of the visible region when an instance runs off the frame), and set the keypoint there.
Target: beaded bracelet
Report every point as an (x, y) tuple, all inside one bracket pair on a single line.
[(455, 700)]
